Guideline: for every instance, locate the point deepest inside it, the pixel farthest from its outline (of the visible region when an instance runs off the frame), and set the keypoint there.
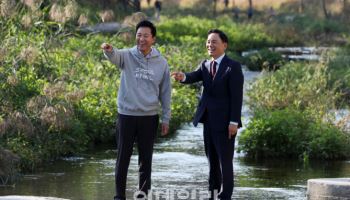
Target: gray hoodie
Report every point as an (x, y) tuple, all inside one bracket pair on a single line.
[(145, 81)]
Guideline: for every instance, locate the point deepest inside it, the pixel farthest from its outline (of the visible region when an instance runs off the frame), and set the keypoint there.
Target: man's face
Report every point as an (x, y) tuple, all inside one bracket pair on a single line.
[(144, 39), (215, 46)]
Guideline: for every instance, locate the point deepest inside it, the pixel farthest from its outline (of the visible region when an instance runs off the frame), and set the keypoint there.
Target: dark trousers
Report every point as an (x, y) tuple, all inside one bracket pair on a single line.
[(143, 130), (219, 151)]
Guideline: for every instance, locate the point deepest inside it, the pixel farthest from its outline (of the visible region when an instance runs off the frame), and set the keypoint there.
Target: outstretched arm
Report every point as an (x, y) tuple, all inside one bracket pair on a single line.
[(113, 55), (189, 78)]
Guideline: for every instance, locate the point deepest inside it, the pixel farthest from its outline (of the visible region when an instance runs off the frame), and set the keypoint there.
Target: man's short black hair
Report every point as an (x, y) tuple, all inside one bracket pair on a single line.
[(146, 23), (221, 34)]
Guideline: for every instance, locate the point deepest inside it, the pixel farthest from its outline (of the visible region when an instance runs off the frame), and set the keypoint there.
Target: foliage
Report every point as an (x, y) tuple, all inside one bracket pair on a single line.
[(300, 85), (58, 91), (339, 66), (264, 60), (292, 114), (192, 30), (291, 133)]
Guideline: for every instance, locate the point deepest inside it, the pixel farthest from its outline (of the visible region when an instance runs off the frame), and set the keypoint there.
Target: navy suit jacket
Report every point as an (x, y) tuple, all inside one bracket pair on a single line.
[(222, 97)]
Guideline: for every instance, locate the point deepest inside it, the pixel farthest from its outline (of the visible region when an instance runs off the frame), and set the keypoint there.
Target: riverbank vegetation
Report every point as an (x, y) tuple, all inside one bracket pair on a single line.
[(57, 91), (294, 112)]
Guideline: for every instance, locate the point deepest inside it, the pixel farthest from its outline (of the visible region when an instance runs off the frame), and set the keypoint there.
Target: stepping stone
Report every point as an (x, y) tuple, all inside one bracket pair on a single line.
[(29, 198), (328, 189)]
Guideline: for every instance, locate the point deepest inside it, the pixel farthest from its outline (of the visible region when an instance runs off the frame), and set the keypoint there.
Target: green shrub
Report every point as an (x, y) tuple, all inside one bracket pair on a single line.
[(291, 109), (193, 31), (339, 66), (328, 142), (289, 133), (264, 60)]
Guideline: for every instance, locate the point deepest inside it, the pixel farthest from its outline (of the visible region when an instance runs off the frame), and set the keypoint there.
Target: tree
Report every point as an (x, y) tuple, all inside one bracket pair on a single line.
[(137, 5), (250, 9), (345, 7), (214, 7), (106, 3), (301, 6), (324, 6), (226, 3)]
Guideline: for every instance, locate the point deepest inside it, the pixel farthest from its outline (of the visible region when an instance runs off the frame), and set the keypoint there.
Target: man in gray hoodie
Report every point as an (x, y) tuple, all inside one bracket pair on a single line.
[(144, 84)]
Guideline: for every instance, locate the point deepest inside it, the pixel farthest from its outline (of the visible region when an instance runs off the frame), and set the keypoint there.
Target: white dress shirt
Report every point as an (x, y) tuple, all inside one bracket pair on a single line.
[(218, 61)]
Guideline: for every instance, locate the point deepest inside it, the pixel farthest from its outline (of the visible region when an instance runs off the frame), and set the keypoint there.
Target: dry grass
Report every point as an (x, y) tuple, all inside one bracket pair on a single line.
[(32, 4), (75, 96), (344, 123), (12, 80), (57, 13), (126, 36), (16, 123), (62, 14), (27, 20), (107, 15), (7, 8), (71, 10), (83, 20), (36, 104), (58, 116), (30, 54), (55, 90), (134, 19)]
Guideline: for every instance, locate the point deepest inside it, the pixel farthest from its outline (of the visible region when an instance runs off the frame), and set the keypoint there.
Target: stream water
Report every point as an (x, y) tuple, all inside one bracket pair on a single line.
[(180, 171)]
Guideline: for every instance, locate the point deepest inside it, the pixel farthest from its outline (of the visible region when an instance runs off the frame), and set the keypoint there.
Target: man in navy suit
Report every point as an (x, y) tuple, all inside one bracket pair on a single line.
[(219, 110)]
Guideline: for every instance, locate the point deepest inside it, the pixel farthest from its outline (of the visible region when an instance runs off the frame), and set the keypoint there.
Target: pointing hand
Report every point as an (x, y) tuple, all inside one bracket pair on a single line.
[(107, 47), (178, 76)]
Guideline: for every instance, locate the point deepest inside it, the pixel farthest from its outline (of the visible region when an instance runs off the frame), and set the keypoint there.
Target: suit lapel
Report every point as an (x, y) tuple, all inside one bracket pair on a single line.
[(222, 69), (207, 73)]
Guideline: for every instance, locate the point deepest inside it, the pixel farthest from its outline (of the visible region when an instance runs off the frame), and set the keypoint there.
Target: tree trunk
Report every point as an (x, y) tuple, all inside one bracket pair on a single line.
[(137, 5), (105, 4), (214, 7), (324, 5), (345, 7), (226, 3), (250, 9), (301, 6), (250, 3)]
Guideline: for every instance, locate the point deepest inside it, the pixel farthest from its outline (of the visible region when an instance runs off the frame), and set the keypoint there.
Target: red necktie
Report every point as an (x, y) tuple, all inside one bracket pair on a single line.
[(213, 68)]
